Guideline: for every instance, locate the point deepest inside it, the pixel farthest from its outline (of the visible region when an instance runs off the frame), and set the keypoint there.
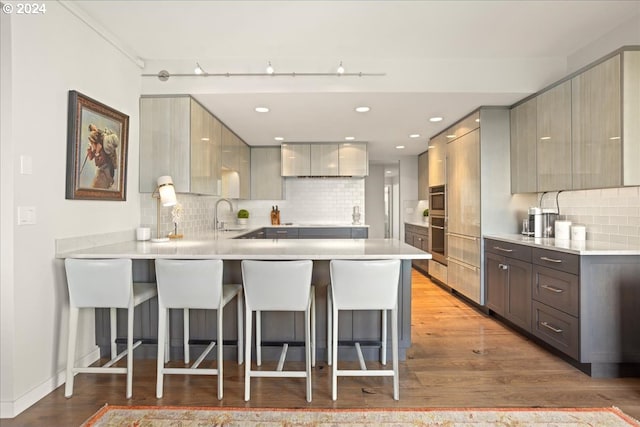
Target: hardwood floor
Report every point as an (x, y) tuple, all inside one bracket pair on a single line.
[(459, 358)]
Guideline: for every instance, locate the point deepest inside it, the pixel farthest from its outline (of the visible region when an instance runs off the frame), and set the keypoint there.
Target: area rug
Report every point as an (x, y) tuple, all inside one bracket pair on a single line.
[(164, 416)]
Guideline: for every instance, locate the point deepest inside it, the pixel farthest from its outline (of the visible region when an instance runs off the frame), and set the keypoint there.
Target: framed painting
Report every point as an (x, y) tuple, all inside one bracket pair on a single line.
[(96, 150)]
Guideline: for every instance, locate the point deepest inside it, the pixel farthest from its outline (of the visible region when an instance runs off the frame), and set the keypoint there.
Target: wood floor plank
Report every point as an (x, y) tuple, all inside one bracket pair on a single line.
[(459, 358)]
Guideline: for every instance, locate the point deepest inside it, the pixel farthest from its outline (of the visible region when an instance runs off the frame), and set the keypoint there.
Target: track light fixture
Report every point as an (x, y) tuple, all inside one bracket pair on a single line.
[(164, 75)]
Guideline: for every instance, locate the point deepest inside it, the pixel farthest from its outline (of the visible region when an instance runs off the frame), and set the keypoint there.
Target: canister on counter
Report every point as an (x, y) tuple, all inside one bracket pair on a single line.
[(563, 230), (578, 232)]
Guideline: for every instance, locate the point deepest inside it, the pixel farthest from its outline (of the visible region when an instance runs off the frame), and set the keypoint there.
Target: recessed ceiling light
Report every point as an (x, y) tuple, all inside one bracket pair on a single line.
[(399, 147), (262, 109), (349, 138), (362, 109), (414, 135), (436, 119), (279, 138)]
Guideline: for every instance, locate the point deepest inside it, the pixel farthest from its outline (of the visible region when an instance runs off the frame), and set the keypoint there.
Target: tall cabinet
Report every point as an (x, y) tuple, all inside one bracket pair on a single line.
[(479, 195), (423, 176)]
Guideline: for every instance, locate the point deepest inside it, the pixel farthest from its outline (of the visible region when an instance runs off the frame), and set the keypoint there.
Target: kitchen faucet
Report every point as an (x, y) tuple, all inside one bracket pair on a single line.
[(217, 225)]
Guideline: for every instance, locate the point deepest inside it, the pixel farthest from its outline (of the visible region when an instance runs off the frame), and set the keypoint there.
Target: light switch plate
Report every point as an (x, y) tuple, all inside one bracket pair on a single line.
[(26, 165), (26, 215)]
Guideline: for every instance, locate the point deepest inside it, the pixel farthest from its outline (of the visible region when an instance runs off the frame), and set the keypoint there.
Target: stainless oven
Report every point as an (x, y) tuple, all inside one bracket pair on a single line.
[(437, 201), (437, 236)]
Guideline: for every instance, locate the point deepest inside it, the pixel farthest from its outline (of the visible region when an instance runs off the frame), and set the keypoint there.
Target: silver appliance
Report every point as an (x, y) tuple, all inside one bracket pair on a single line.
[(542, 222)]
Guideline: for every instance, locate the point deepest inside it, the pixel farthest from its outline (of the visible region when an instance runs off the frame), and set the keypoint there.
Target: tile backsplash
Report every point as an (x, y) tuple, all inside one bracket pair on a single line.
[(610, 215), (308, 201)]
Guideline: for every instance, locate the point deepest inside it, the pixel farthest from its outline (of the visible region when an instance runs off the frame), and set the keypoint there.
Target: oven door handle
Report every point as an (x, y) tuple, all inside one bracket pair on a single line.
[(437, 227)]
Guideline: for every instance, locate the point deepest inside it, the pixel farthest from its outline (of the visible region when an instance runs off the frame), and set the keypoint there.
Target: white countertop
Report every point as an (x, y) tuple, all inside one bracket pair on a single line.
[(587, 247), (418, 224), (225, 247)]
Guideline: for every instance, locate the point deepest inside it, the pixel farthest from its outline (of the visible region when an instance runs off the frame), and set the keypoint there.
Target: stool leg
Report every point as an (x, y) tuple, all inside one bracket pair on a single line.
[(383, 345), (185, 315), (167, 338), (308, 347), (162, 337), (220, 344), (329, 326), (130, 350), (71, 350), (247, 349), (394, 350), (313, 327), (113, 321), (258, 338), (240, 328), (334, 348)]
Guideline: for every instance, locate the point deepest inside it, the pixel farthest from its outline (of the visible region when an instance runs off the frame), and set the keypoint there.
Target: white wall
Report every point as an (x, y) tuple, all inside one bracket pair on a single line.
[(51, 54), (374, 201), (408, 187)]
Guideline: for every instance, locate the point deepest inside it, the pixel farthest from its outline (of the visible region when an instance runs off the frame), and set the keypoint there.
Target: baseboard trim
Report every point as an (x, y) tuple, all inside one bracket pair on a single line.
[(13, 408)]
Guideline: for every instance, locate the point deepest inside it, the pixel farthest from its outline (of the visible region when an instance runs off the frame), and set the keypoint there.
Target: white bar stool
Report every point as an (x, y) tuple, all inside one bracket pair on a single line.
[(103, 283), (194, 284), (278, 286), (364, 285)]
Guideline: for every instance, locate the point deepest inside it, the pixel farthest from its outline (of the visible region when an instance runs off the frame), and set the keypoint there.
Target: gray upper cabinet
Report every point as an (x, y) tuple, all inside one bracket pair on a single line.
[(596, 126), (423, 176), (354, 160), (178, 137), (523, 147), (236, 166), (437, 160), (554, 138), (266, 181), (324, 159)]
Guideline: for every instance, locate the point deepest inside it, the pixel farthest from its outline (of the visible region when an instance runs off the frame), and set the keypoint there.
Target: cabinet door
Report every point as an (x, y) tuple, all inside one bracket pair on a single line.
[(244, 166), (523, 147), (495, 282), (266, 181), (353, 159), (518, 293), (205, 151), (423, 176), (324, 159), (596, 127), (554, 138), (463, 177), (164, 142), (437, 166), (295, 160), (230, 147)]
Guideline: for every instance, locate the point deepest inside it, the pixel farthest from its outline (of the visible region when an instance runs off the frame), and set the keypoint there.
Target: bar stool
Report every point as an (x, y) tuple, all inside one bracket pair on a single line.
[(103, 283), (278, 286), (363, 285), (197, 284)]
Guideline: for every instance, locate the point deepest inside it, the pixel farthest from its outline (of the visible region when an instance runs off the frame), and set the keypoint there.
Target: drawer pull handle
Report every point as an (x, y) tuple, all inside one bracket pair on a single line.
[(438, 227), (463, 264), (503, 266), (462, 236), (281, 232), (557, 261), (552, 289), (498, 248), (548, 326), (420, 239)]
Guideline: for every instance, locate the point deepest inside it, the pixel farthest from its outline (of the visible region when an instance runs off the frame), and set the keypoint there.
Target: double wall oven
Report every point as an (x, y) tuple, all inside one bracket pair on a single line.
[(438, 223)]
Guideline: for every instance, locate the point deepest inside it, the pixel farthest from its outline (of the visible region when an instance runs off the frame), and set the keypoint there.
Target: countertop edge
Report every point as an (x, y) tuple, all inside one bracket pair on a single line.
[(587, 247)]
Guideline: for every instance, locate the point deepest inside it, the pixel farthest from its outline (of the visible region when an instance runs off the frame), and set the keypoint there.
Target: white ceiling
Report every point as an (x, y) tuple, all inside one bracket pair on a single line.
[(442, 58)]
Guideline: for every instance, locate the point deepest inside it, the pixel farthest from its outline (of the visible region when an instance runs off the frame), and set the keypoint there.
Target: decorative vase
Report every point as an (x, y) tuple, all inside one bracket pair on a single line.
[(242, 221)]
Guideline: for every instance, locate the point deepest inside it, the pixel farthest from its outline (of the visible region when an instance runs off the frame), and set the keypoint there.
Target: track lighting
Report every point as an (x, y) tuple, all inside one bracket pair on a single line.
[(270, 69), (340, 69), (198, 70)]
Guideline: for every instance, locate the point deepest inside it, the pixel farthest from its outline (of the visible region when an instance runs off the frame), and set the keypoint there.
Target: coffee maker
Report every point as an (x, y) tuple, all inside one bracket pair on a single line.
[(542, 222)]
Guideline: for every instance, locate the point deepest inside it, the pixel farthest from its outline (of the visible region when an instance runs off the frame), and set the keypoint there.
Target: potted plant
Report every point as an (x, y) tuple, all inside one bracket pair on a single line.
[(425, 215), (243, 216)]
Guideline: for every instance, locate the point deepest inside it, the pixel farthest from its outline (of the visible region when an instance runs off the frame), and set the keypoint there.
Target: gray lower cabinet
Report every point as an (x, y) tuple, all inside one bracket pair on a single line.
[(584, 306), (309, 233), (324, 233), (281, 233), (508, 281), (418, 237)]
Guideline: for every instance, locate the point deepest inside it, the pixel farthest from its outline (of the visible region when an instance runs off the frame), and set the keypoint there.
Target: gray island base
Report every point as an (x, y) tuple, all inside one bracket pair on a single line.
[(277, 327)]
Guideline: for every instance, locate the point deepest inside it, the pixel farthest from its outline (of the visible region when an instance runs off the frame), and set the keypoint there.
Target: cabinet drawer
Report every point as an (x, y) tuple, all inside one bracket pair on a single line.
[(557, 289), (420, 241), (557, 260), (556, 328), (359, 233), (465, 279), (275, 233), (511, 250), (416, 229), (464, 248), (438, 271), (324, 233)]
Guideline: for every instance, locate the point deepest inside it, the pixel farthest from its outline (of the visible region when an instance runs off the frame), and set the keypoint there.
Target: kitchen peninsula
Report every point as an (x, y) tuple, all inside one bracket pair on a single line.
[(277, 327)]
